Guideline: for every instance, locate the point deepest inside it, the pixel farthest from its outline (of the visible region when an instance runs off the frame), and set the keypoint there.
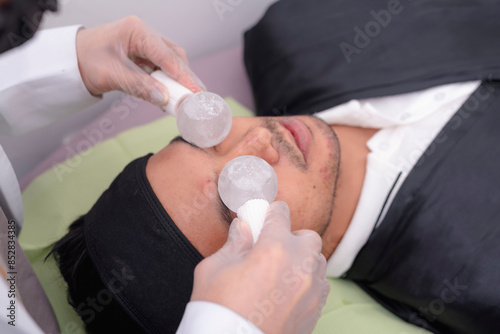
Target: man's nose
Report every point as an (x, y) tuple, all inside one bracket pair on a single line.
[(257, 142)]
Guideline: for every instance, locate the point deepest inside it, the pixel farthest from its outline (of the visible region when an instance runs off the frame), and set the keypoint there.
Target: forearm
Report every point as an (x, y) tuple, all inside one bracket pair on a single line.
[(41, 82)]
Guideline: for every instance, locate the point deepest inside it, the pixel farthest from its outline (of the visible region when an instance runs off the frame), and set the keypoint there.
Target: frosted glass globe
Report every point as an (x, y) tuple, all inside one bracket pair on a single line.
[(244, 178), (204, 119)]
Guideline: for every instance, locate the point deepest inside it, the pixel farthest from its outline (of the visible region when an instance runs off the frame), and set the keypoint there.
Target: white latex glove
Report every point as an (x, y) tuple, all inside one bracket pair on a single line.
[(279, 285), (121, 55)]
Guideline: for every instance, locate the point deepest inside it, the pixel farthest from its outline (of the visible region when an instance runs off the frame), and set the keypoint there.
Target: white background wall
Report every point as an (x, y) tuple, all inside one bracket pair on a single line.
[(196, 25)]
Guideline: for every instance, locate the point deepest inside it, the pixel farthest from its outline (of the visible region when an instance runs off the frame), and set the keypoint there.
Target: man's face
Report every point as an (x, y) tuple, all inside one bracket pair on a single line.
[(303, 151)]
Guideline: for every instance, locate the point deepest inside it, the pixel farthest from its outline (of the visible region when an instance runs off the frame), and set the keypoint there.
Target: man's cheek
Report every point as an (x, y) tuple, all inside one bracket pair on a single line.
[(298, 220)]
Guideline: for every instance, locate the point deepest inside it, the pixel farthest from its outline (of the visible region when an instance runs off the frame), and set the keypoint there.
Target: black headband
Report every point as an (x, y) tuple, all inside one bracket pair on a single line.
[(141, 256)]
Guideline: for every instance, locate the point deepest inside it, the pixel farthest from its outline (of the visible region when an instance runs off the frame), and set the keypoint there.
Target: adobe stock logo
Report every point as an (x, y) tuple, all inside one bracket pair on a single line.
[(225, 6), (428, 313), (372, 29)]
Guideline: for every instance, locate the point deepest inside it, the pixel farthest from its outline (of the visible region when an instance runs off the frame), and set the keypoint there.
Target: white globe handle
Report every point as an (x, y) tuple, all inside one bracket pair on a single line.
[(177, 92), (254, 213)]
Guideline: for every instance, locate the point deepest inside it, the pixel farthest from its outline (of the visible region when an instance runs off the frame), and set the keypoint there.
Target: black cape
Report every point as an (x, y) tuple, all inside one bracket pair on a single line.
[(434, 259), (305, 56)]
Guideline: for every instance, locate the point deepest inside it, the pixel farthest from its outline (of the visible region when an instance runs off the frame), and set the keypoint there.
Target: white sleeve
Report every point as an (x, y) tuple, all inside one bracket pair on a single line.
[(41, 82), (211, 318)]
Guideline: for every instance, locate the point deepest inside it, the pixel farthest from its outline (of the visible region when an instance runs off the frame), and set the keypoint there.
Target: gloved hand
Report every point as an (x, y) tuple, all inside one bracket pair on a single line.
[(279, 285), (119, 55)]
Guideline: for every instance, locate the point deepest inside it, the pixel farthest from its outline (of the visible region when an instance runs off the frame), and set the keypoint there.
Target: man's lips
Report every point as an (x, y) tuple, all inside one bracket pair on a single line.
[(300, 134)]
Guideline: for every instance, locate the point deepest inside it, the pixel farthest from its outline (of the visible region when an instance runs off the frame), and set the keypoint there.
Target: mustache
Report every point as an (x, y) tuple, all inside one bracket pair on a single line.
[(291, 151)]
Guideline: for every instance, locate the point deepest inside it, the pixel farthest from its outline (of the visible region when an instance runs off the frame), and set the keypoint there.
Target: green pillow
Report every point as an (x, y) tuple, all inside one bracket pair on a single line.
[(60, 195)]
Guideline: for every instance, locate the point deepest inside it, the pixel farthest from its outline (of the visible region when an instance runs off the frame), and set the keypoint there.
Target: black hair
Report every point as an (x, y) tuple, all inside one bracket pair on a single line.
[(86, 291)]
